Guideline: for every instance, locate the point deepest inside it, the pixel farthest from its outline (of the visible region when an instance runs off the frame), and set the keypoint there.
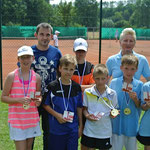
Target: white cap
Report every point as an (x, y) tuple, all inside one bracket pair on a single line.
[(25, 50), (80, 44), (57, 32)]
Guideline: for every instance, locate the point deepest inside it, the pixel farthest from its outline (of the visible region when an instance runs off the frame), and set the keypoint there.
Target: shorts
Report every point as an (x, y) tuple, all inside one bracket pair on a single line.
[(95, 142), (18, 134), (118, 141), (63, 142), (145, 140)]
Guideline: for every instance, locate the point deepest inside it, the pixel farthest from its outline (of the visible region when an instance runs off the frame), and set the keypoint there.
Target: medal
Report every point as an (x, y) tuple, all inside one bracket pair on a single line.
[(114, 112), (127, 111), (26, 106)]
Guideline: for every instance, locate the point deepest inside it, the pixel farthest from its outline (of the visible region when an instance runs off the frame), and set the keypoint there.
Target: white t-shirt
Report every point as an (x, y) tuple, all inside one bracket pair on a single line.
[(55, 37), (95, 103)]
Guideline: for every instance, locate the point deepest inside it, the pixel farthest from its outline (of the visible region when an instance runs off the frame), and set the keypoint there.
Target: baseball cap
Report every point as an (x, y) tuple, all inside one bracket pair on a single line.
[(80, 44), (57, 32), (25, 50)]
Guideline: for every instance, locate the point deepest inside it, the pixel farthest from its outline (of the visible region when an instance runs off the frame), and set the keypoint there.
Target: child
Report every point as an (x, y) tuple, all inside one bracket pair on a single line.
[(99, 104), (55, 37), (19, 92), (83, 73), (129, 92), (144, 130), (84, 69), (63, 101)]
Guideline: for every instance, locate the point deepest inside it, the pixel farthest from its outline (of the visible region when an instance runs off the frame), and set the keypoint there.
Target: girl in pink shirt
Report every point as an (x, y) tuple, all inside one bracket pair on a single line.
[(22, 92)]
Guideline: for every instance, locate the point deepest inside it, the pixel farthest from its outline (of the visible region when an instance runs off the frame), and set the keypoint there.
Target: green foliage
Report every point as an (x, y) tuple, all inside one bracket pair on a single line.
[(108, 23), (87, 12), (80, 13), (37, 11), (13, 11), (65, 11)]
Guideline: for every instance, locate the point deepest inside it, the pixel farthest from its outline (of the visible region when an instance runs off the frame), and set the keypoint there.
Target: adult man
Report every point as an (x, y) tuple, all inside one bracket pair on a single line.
[(45, 64)]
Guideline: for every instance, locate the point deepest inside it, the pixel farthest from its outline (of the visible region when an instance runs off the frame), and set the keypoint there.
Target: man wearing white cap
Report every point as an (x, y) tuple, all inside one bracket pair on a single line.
[(83, 73), (55, 38)]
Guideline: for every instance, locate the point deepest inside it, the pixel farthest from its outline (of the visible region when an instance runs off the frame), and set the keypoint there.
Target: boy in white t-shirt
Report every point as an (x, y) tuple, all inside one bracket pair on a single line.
[(55, 38), (100, 104)]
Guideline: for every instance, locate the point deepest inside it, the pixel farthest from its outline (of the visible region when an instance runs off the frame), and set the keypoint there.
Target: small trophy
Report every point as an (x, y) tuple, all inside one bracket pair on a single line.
[(146, 96), (127, 87)]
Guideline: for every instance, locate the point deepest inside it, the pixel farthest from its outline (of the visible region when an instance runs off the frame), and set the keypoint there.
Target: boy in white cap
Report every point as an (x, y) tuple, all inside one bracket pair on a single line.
[(84, 69), (83, 73), (55, 38), (21, 91)]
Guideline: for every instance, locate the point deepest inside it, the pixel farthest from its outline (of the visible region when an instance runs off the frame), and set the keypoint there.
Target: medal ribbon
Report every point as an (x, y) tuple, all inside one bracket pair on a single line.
[(25, 92), (80, 81), (127, 99), (65, 105), (110, 106)]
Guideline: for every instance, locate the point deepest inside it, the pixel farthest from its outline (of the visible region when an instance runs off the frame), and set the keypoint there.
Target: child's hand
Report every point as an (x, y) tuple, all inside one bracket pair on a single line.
[(60, 118), (37, 101), (24, 100), (91, 117), (133, 95), (148, 104)]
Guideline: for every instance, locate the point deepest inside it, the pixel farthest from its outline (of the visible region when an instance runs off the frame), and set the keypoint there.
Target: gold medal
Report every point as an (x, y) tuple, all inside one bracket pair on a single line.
[(26, 106), (114, 112), (127, 111)]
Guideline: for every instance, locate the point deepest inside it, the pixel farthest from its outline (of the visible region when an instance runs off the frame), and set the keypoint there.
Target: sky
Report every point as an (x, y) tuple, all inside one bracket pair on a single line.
[(57, 1)]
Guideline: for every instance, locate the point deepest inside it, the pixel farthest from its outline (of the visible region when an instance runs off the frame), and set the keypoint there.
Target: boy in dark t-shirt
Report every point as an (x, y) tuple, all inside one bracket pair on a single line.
[(63, 102)]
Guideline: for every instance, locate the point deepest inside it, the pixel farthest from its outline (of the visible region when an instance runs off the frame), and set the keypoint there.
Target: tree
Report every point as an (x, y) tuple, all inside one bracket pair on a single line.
[(108, 23), (65, 13), (87, 12), (15, 14), (37, 11), (117, 17)]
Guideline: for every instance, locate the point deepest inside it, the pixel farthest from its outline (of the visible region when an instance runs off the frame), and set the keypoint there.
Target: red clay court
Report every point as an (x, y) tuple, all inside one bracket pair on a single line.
[(109, 47)]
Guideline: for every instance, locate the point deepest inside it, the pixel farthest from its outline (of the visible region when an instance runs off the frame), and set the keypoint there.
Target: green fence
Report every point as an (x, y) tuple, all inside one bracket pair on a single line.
[(141, 34), (28, 31), (71, 32)]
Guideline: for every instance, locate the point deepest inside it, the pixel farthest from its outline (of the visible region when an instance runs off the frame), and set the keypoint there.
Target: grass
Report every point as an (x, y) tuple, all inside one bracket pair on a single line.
[(7, 144)]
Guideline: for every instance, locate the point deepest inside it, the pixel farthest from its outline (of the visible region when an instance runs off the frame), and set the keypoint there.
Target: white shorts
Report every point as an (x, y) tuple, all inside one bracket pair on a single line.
[(17, 134), (118, 141)]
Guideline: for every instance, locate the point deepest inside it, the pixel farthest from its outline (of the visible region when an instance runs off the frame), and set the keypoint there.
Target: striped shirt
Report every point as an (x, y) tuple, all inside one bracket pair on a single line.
[(19, 117)]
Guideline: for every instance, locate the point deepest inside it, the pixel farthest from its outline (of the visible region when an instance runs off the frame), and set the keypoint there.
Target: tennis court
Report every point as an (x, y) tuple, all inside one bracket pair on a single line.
[(108, 48)]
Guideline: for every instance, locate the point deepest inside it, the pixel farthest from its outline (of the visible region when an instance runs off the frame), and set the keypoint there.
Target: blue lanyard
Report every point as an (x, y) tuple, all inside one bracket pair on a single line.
[(80, 81), (127, 98), (65, 105), (25, 93)]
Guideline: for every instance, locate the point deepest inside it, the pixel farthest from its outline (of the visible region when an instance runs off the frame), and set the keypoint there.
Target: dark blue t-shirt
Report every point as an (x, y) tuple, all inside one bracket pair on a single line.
[(54, 98), (46, 64)]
